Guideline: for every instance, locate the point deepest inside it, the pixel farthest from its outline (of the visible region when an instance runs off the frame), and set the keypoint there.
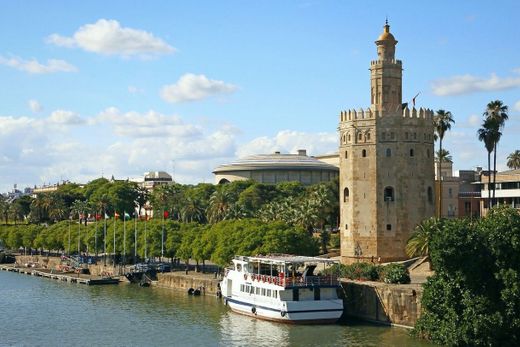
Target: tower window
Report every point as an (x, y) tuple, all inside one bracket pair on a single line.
[(389, 227), (360, 137), (428, 153), (364, 153), (348, 137), (346, 194), (346, 226), (388, 152), (430, 195), (389, 194), (383, 136), (392, 136), (346, 154), (411, 152), (368, 136)]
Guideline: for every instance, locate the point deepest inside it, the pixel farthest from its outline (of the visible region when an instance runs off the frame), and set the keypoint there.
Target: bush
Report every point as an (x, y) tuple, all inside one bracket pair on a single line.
[(395, 273), (334, 241), (356, 271)]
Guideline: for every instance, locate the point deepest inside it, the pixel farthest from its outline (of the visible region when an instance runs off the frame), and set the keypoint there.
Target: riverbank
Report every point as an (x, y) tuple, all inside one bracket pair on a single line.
[(376, 302)]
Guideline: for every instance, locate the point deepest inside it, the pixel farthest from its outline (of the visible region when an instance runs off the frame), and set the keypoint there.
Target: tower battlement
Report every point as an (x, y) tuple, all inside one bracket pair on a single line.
[(353, 114), (386, 61)]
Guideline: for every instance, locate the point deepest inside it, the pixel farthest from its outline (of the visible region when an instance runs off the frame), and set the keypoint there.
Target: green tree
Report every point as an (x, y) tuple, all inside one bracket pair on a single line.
[(513, 160), (4, 208), (442, 123), (443, 156), (473, 297), (497, 111), (219, 204)]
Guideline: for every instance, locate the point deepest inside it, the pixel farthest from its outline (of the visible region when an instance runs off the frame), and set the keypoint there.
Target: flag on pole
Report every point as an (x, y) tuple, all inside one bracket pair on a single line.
[(116, 215), (413, 100)]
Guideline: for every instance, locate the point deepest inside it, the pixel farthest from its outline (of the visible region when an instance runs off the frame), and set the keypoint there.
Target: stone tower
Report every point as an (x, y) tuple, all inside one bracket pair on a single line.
[(386, 166)]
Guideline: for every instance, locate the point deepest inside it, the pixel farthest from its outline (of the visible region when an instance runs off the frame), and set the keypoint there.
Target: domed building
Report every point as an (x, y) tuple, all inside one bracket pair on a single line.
[(277, 167)]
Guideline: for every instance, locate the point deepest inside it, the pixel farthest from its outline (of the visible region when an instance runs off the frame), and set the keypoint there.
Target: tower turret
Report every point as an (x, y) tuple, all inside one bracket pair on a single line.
[(386, 74)]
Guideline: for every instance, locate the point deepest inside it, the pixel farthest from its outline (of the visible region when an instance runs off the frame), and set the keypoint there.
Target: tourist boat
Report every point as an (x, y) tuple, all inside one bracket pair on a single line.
[(283, 288)]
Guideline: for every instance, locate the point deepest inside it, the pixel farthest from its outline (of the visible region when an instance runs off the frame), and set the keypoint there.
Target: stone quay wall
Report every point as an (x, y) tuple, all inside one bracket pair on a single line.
[(389, 304), (179, 280)]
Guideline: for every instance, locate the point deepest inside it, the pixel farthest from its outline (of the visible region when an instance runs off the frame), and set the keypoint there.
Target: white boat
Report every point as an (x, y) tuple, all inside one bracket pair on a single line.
[(283, 288)]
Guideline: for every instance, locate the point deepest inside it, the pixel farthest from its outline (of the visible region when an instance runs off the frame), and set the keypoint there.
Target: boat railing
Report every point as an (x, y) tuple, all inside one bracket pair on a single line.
[(296, 281)]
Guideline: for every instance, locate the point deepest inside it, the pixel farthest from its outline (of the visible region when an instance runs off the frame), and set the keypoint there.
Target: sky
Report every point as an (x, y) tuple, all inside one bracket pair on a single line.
[(102, 88)]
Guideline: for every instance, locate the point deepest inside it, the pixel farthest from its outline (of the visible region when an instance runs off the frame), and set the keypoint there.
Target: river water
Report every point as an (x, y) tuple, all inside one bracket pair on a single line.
[(43, 312)]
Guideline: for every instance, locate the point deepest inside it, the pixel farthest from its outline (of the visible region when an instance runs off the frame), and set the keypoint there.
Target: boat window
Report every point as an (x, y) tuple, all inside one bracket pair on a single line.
[(239, 267), (295, 294), (241, 287), (268, 292), (275, 294), (252, 290), (317, 293)]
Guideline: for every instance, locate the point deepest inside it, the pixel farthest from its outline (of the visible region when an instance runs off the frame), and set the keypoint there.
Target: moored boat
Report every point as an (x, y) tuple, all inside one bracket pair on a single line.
[(283, 288)]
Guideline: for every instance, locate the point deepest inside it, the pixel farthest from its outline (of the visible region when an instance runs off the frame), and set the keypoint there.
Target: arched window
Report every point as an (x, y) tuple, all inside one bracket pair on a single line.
[(348, 137), (346, 154), (430, 195), (346, 194), (411, 152), (364, 153), (388, 152), (360, 137), (368, 136), (223, 181), (389, 194)]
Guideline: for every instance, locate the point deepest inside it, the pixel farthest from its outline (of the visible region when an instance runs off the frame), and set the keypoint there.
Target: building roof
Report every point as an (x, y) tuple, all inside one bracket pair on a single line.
[(276, 161)]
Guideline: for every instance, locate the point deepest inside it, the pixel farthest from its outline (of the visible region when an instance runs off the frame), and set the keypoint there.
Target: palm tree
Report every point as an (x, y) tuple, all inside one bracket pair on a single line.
[(442, 123), (418, 244), (443, 156), (513, 160), (487, 134), (142, 198), (498, 111), (192, 211), (219, 204), (57, 209)]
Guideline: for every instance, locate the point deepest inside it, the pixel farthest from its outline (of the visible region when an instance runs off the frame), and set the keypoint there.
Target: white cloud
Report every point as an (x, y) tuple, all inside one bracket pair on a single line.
[(35, 106), (517, 106), (34, 67), (108, 37), (192, 87), (290, 141), (63, 117), (466, 84), (149, 124)]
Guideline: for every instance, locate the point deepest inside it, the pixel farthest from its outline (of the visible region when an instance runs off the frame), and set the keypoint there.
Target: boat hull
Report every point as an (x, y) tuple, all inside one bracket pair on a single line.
[(328, 313)]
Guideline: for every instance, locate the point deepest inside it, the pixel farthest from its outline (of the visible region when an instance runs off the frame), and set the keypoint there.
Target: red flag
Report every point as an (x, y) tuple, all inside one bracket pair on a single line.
[(166, 214), (116, 215)]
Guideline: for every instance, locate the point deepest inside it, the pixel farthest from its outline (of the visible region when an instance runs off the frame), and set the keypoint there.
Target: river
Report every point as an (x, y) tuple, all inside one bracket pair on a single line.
[(42, 312)]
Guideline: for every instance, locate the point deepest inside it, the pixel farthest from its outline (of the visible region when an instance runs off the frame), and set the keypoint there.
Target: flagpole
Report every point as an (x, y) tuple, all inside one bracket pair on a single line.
[(124, 238), (68, 249), (115, 219), (105, 236), (145, 235), (95, 236), (162, 238), (79, 233), (135, 238)]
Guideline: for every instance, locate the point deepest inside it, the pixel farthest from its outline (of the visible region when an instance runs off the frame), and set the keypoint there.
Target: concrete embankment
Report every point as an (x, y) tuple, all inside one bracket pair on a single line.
[(391, 304), (182, 281)]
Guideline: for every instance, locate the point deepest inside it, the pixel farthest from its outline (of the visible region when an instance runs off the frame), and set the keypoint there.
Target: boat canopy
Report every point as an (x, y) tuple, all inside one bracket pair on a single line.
[(284, 259)]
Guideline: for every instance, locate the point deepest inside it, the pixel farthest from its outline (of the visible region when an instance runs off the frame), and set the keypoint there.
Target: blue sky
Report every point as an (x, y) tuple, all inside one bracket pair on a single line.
[(119, 87)]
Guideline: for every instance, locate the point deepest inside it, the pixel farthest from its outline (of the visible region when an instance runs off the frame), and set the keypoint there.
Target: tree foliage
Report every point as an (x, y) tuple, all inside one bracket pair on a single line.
[(474, 296)]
